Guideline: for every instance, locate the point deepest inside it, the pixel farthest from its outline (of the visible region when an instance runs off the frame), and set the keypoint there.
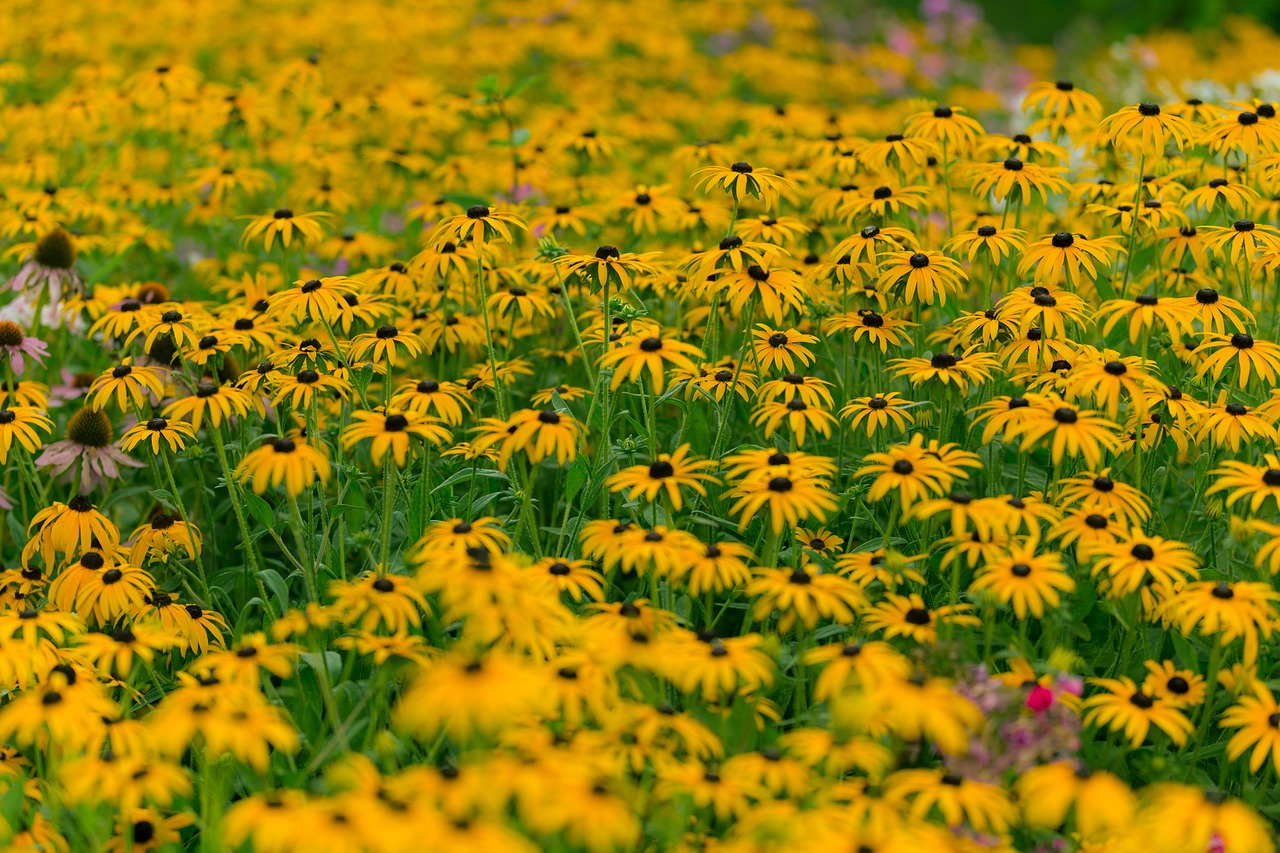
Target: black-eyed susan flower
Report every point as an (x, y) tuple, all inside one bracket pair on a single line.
[(21, 425), (539, 435), (776, 289), (668, 473), (1124, 707), (984, 806), (1227, 611), (742, 180), (1030, 582), (1182, 688), (1101, 493), (878, 413), (386, 345), (1002, 180), (1100, 802), (973, 366), (154, 431), (1240, 241), (1251, 358), (1218, 314), (949, 126), (1257, 717), (1136, 558), (638, 354), (1243, 480), (800, 596), (293, 463), (217, 403), (775, 348), (990, 243), (306, 386), (1232, 424), (313, 299), (798, 416), (286, 225), (1070, 432), (1145, 129), (924, 277), (908, 616), (481, 225), (445, 400), (163, 537), (790, 496), (392, 433), (1072, 257)]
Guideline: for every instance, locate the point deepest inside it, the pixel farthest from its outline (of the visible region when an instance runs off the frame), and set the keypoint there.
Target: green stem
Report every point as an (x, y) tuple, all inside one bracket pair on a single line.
[(250, 550)]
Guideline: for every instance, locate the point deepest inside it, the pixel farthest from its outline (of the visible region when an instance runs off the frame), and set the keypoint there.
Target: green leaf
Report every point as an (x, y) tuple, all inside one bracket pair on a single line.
[(331, 661), (262, 511), (520, 136), (520, 85), (488, 85), (579, 473), (271, 580), (163, 496)]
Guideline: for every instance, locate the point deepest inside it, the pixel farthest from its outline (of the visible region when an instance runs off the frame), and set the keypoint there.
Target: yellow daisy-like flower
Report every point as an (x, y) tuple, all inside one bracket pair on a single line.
[(286, 225), (293, 463)]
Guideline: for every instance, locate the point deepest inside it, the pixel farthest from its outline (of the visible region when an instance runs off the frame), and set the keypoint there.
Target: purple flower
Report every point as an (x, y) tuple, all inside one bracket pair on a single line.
[(97, 463), (73, 387), (16, 346)]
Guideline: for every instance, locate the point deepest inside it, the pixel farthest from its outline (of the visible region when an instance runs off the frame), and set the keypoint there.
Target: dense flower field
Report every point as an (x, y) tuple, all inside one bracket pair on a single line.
[(614, 426)]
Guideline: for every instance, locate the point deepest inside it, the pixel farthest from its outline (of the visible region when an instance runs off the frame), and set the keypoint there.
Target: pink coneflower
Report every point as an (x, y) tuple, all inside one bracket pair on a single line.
[(16, 346), (89, 443), (73, 387), (48, 275), (51, 264)]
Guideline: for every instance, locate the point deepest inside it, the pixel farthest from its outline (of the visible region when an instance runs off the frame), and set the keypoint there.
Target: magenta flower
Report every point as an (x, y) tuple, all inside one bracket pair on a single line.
[(1039, 699)]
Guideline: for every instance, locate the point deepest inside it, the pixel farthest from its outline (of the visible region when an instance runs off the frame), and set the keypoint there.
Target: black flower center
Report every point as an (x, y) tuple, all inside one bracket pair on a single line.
[(919, 261), (918, 616), (661, 470), (1149, 109)]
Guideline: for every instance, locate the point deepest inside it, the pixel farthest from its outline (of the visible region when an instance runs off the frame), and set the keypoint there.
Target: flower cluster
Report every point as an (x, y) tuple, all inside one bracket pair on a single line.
[(513, 426)]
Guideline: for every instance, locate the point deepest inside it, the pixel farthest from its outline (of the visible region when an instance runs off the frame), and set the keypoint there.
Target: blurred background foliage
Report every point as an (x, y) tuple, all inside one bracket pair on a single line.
[(1048, 22)]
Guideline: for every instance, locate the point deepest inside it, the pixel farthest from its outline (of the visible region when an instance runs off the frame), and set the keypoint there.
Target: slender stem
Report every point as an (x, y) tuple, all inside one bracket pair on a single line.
[(186, 521), (250, 550)]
